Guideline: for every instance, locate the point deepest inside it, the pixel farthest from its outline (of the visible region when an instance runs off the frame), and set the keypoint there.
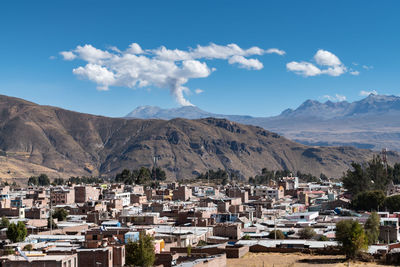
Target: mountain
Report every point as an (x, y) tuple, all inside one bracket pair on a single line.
[(187, 112), (42, 139), (369, 123)]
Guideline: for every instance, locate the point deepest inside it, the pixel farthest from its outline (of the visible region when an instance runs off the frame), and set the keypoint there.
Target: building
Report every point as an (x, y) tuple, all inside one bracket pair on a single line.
[(61, 196), (389, 230), (182, 193), (40, 260), (269, 192), (95, 257), (85, 193)]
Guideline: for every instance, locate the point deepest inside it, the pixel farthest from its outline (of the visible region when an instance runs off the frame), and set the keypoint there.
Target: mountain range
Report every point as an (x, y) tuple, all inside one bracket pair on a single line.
[(38, 139), (368, 123)]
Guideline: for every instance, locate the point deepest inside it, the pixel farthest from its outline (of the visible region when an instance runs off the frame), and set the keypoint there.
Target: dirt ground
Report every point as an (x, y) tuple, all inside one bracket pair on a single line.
[(292, 260)]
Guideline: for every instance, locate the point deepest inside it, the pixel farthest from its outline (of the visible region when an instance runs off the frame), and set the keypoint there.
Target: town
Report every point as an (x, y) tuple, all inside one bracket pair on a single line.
[(86, 222)]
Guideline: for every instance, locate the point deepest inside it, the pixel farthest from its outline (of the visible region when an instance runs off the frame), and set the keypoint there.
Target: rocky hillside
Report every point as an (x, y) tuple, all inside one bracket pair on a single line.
[(36, 139), (370, 123)]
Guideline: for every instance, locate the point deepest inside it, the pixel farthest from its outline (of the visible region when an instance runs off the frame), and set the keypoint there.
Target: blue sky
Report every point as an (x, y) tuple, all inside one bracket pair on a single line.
[(356, 36)]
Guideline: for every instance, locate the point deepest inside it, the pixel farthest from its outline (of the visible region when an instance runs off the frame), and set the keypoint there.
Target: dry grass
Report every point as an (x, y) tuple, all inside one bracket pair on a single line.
[(293, 259)]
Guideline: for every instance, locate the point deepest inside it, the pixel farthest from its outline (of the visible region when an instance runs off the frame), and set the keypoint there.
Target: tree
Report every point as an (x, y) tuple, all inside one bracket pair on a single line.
[(28, 247), (392, 203), (16, 232), (355, 180), (4, 223), (369, 200), (372, 228), (246, 237), (351, 237), (141, 252), (306, 233), (61, 214), (33, 181), (323, 238), (143, 175), (376, 172), (279, 235), (158, 174), (43, 180), (202, 243), (53, 224)]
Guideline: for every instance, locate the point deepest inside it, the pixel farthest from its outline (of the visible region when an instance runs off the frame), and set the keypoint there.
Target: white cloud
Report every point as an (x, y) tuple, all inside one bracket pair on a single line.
[(52, 57), (275, 51), (68, 55), (355, 72), (336, 97), (246, 63), (161, 67), (326, 58), (198, 91), (96, 73), (303, 68), (367, 93), (367, 67), (328, 63)]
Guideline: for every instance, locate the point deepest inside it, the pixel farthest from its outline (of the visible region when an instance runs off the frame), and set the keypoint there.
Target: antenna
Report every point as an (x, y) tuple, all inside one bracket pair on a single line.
[(384, 158)]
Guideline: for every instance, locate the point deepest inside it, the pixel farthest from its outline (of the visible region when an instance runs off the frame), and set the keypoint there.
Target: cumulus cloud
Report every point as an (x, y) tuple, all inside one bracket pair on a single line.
[(68, 55), (355, 72), (303, 68), (327, 62), (246, 63), (367, 93), (336, 97), (275, 51), (198, 91), (160, 67)]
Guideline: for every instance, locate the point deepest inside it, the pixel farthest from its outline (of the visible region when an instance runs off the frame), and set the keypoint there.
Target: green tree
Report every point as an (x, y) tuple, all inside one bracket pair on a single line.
[(43, 180), (323, 238), (369, 200), (306, 233), (392, 203), (396, 173), (141, 252), (53, 224), (4, 223), (158, 174), (60, 214), (279, 235), (16, 232), (124, 176), (143, 175), (202, 243), (377, 173), (356, 180), (33, 180), (246, 237), (351, 237), (372, 228), (28, 247)]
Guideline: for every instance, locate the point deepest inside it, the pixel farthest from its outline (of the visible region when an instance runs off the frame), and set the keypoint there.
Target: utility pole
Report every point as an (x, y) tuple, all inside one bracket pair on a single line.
[(275, 224), (51, 215)]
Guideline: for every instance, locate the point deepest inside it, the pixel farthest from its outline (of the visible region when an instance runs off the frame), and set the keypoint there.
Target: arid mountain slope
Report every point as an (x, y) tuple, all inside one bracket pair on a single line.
[(36, 139)]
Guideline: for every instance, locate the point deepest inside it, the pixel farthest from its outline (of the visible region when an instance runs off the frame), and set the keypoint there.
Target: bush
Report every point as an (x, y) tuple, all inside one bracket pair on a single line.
[(323, 238), (306, 233), (351, 237), (141, 253), (16, 232), (279, 235)]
